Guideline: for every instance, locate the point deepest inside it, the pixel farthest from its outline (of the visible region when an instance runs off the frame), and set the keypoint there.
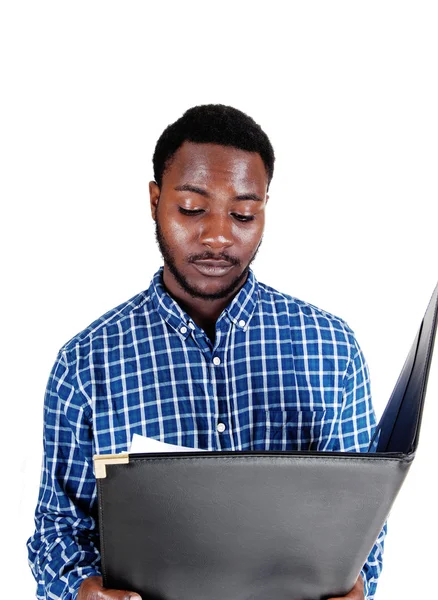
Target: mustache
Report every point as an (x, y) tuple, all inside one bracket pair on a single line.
[(210, 256)]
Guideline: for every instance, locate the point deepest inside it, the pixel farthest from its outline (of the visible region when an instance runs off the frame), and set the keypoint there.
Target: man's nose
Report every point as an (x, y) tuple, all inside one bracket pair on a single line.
[(216, 231)]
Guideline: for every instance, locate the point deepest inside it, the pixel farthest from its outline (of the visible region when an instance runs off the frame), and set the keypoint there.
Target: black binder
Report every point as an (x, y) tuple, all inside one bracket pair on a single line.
[(259, 525)]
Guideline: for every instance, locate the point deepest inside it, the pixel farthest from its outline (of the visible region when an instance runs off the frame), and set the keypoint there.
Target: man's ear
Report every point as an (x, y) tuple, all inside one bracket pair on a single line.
[(154, 195)]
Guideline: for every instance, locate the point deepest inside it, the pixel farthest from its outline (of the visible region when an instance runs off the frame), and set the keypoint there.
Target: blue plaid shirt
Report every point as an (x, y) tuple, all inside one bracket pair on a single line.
[(280, 375)]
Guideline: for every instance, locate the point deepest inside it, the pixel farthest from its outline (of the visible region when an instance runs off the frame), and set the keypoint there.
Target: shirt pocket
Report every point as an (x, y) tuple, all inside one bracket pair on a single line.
[(290, 430)]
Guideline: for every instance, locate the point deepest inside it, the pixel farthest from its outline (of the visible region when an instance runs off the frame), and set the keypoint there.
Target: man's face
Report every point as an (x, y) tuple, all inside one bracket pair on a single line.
[(209, 216)]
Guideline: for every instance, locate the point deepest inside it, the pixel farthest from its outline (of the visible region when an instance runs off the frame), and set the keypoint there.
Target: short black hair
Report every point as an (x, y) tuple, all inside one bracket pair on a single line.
[(213, 124)]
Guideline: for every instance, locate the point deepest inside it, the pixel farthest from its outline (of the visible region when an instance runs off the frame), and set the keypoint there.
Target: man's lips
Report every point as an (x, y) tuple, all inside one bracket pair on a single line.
[(213, 262), (213, 267)]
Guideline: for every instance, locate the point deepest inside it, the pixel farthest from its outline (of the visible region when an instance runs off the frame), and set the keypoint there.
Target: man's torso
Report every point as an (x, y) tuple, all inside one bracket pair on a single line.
[(272, 380)]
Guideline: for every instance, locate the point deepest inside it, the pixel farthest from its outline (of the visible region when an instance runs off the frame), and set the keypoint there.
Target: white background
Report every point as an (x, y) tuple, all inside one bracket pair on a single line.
[(347, 92)]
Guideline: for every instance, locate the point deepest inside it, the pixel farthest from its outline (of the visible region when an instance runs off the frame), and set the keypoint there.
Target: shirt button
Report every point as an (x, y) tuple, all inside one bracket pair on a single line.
[(183, 330), (242, 323), (221, 427), (191, 325), (216, 360)]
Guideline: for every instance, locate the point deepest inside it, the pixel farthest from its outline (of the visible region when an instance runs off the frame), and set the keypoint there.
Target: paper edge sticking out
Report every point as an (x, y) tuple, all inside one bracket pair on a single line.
[(141, 444)]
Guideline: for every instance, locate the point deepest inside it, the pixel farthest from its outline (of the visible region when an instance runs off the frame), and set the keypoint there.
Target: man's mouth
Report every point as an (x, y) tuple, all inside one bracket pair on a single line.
[(213, 267)]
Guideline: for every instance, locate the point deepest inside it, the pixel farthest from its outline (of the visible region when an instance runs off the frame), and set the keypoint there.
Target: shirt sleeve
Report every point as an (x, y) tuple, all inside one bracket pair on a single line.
[(357, 425), (64, 549)]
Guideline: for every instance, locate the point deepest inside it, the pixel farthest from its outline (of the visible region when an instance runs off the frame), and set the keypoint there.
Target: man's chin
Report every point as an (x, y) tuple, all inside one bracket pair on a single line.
[(210, 292), (209, 288)]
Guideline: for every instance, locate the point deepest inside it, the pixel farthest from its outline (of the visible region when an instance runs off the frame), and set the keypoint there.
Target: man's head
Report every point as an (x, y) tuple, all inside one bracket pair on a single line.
[(212, 171), (213, 124)]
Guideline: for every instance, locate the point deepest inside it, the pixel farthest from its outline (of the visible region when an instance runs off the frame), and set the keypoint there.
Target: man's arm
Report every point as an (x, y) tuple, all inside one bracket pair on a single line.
[(356, 427), (64, 551), (373, 567), (65, 546)]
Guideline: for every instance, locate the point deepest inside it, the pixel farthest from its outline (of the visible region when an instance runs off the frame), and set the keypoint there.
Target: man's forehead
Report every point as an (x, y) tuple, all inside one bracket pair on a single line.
[(203, 162)]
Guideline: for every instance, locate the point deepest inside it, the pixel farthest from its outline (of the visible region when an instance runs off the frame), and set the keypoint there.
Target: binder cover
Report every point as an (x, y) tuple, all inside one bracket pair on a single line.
[(258, 525)]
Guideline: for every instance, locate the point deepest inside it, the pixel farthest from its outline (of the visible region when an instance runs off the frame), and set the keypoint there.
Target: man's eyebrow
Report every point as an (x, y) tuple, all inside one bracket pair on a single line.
[(249, 197), (186, 187)]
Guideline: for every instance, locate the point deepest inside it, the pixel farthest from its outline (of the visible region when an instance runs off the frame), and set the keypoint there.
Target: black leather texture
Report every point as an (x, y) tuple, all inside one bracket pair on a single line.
[(260, 525), (243, 526)]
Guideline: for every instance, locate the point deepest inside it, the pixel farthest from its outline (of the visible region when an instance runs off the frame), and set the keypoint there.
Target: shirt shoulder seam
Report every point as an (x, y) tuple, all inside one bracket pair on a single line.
[(302, 304), (112, 316)]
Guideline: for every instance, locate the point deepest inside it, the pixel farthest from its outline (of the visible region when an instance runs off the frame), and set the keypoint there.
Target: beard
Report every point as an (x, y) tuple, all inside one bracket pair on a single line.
[(195, 292)]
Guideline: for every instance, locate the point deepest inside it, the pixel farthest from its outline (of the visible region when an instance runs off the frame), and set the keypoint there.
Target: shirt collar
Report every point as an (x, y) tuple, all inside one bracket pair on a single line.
[(239, 311)]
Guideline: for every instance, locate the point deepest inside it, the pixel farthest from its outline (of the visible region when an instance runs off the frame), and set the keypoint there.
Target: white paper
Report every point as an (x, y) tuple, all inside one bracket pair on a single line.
[(140, 443)]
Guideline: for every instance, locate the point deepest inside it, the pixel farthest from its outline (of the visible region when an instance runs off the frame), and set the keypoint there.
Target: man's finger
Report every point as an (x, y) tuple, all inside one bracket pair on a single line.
[(92, 589)]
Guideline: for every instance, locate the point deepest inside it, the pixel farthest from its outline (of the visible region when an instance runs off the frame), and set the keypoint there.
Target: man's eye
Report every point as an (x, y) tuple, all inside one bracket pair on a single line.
[(198, 211), (244, 218), (185, 211)]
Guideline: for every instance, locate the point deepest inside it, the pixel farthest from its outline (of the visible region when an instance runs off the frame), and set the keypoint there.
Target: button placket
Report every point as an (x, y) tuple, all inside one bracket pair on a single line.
[(222, 416)]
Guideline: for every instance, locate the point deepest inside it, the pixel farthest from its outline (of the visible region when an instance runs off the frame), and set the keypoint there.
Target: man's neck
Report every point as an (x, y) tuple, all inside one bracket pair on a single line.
[(204, 313)]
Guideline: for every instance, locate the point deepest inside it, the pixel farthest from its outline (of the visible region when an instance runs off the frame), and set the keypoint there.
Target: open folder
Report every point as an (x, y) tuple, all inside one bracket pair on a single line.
[(258, 525)]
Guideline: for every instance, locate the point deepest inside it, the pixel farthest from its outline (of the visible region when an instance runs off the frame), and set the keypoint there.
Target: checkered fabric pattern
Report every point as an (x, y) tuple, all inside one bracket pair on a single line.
[(280, 375)]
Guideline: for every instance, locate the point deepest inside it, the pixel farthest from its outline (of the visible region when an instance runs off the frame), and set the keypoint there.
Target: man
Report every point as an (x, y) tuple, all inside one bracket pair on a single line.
[(207, 357)]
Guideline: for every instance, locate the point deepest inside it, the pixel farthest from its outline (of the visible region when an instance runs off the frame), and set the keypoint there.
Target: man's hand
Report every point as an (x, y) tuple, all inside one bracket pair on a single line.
[(355, 594), (92, 589)]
